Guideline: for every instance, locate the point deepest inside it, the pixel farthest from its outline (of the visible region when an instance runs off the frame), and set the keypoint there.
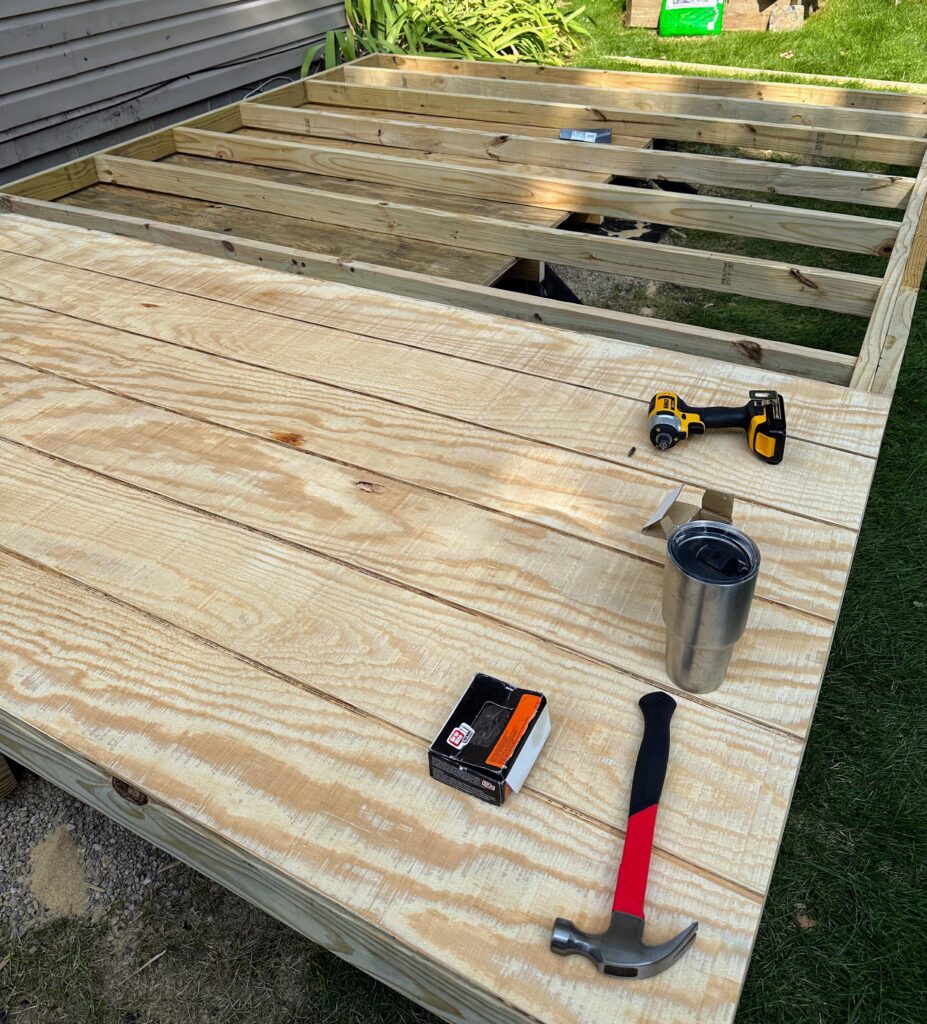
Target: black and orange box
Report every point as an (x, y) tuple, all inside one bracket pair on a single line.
[(492, 739)]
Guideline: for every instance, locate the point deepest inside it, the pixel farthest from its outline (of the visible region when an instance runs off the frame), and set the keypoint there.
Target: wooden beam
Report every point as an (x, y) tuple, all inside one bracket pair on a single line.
[(77, 174), (771, 355), (7, 779), (728, 216), (238, 870), (767, 279), (882, 190), (890, 325), (633, 98), (540, 408), (819, 142), (57, 181), (820, 90)]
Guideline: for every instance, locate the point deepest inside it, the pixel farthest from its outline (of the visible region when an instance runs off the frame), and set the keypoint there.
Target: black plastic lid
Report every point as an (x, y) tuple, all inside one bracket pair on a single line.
[(714, 552)]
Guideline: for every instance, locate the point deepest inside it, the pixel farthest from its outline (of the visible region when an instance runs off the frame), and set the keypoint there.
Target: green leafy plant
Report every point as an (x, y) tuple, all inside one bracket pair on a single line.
[(533, 31)]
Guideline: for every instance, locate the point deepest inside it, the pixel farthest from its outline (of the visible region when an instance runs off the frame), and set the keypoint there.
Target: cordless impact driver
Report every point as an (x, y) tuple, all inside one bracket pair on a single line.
[(762, 419)]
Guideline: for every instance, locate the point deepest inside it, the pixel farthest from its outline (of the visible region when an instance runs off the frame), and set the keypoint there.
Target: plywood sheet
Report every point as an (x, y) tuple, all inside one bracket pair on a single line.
[(256, 533)]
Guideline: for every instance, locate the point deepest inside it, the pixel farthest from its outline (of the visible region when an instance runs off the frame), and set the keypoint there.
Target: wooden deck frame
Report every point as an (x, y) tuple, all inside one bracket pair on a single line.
[(487, 135)]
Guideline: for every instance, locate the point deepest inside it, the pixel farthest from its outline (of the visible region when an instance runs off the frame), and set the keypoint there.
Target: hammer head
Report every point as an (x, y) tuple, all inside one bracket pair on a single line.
[(620, 950)]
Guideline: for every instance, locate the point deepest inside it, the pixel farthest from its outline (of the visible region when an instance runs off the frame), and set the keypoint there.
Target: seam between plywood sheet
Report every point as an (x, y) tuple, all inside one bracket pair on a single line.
[(784, 536), (550, 412), (587, 361), (645, 665), (596, 795), (419, 291)]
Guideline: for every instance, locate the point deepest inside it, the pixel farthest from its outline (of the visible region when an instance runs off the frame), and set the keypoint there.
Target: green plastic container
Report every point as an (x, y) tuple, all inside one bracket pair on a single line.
[(691, 17)]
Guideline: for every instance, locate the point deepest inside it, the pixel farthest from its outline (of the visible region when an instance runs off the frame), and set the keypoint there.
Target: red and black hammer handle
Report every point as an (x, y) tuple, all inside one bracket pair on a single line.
[(649, 773)]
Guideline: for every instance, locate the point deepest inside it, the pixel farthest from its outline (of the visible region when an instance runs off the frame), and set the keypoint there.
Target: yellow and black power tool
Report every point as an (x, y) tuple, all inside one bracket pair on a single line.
[(763, 419)]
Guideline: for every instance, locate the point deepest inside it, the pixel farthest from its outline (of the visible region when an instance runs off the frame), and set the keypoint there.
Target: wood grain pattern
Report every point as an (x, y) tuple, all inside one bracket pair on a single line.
[(580, 359), (512, 144), (576, 418), (7, 780), (747, 793), (256, 527), (805, 562), (584, 598), (742, 349), (887, 334), (291, 234), (824, 142), (827, 91), (634, 98), (364, 834), (850, 293), (253, 532), (409, 193), (435, 158), (758, 220)]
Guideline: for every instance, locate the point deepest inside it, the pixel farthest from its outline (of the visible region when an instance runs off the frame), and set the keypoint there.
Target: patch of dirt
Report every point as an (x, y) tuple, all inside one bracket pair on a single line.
[(57, 874)]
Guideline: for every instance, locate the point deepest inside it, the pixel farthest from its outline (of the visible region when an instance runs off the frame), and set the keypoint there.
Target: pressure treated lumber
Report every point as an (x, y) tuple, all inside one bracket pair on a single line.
[(546, 857), (742, 795), (440, 200), (585, 360), (542, 409), (634, 98), (818, 90), (775, 356), (289, 234), (514, 146), (851, 293), (759, 220), (246, 518), (69, 177), (888, 331), (247, 610), (570, 357), (7, 780), (805, 562), (822, 142)]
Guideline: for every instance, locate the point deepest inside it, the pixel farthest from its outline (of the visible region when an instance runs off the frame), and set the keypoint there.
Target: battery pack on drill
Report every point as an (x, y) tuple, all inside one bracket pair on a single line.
[(491, 740)]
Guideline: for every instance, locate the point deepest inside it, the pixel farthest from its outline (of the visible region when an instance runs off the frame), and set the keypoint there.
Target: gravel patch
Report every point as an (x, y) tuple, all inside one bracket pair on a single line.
[(60, 858)]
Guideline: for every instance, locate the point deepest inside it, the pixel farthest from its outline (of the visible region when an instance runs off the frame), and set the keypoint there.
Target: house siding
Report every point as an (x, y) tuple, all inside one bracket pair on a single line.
[(79, 74)]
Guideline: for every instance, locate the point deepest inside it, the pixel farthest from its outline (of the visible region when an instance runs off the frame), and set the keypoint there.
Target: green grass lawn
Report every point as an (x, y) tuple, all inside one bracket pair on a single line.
[(862, 38), (845, 928)]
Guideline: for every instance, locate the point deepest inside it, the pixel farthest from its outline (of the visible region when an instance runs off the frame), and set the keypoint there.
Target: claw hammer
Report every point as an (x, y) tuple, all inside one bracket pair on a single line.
[(620, 950)]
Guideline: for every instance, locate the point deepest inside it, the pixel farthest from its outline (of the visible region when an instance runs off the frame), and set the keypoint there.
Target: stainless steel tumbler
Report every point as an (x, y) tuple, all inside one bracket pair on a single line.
[(708, 582)]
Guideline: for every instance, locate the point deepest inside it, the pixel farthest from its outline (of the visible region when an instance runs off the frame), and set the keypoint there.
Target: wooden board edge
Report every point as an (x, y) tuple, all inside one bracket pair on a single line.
[(858, 85), (312, 915), (699, 268), (738, 173), (780, 357), (786, 138), (798, 225), (889, 327), (861, 88), (7, 779), (74, 175)]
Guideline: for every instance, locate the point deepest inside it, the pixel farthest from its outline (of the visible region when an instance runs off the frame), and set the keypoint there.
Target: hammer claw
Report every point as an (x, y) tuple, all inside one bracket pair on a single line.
[(620, 951)]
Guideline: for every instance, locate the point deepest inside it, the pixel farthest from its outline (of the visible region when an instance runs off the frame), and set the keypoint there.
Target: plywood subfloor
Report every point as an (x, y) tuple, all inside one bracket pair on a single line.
[(257, 532)]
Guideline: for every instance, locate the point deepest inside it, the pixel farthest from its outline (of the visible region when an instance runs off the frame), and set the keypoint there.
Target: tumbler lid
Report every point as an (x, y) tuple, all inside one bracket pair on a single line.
[(713, 552)]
